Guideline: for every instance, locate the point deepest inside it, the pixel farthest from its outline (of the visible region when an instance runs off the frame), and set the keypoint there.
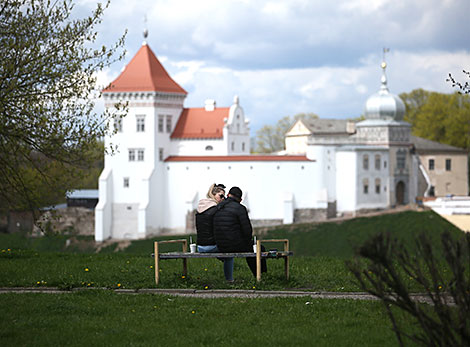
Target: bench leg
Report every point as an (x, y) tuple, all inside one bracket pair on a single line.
[(258, 260), (286, 267), (185, 267), (157, 270)]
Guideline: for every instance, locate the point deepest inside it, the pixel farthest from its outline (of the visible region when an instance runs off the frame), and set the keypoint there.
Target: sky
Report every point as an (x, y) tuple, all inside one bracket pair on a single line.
[(283, 57)]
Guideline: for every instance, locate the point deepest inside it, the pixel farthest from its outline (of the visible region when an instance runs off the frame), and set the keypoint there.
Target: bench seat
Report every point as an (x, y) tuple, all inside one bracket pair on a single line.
[(185, 255)]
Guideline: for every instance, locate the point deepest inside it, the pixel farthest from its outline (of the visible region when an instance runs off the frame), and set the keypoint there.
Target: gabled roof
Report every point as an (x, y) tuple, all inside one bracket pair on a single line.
[(144, 73), (197, 123), (426, 146), (326, 126)]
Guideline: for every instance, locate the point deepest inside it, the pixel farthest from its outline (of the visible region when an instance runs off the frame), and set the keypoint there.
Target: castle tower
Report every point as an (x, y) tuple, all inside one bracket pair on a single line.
[(131, 185)]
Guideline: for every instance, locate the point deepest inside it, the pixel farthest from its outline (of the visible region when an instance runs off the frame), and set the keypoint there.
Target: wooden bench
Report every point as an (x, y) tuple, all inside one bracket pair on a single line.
[(185, 255)]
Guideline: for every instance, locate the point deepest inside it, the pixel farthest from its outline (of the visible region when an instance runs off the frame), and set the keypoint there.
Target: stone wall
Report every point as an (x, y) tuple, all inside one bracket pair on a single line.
[(76, 220)]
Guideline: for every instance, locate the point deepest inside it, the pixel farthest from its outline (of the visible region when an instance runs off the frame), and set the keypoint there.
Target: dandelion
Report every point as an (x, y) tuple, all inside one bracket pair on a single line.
[(151, 266), (38, 282), (254, 287), (119, 285), (9, 250), (193, 312), (183, 277), (206, 287), (87, 269), (205, 269), (440, 287)]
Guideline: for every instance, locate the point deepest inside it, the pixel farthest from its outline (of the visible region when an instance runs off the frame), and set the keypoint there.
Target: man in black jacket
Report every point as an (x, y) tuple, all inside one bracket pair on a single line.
[(232, 228)]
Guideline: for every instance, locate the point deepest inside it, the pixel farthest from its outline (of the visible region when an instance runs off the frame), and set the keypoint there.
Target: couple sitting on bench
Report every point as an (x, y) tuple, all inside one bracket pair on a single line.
[(223, 225)]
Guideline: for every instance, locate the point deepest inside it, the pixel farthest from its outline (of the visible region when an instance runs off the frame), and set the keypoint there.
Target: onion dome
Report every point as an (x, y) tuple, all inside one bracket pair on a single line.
[(383, 104)]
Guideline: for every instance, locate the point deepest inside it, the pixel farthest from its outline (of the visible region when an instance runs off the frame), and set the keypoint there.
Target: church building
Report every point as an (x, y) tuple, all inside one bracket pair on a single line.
[(168, 156)]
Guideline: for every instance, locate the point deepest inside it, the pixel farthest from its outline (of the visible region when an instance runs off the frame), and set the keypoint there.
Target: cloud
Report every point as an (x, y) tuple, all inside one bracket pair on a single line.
[(284, 57)]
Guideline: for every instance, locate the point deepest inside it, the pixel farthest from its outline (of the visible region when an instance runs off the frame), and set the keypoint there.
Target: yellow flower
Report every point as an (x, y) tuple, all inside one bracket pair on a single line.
[(8, 249), (440, 287), (205, 269), (183, 276), (86, 269), (206, 287), (254, 287), (151, 266), (119, 284), (193, 312), (38, 282)]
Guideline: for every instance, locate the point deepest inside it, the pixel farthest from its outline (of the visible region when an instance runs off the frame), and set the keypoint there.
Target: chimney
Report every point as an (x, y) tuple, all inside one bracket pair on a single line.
[(210, 105)]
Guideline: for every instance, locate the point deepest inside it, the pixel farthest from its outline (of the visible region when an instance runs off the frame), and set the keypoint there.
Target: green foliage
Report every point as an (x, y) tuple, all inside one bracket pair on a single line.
[(48, 127), (439, 117), (100, 318), (270, 138), (443, 278)]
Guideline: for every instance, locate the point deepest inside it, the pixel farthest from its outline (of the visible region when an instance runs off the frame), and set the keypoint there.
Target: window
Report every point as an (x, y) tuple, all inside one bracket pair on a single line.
[(126, 182), (168, 124), (365, 162), (377, 162), (233, 146), (131, 154), (160, 154), (448, 165), (160, 123), (365, 185), (209, 148), (243, 146), (401, 159), (431, 164), (385, 164), (377, 185), (140, 123), (140, 155), (118, 124)]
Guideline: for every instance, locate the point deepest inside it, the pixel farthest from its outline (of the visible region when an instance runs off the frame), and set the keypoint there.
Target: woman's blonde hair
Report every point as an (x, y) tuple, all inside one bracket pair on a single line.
[(214, 189)]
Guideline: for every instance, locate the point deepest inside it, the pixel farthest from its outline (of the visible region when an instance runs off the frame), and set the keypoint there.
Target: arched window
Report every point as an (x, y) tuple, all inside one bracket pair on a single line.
[(377, 185), (365, 162), (377, 162), (209, 148), (365, 185)]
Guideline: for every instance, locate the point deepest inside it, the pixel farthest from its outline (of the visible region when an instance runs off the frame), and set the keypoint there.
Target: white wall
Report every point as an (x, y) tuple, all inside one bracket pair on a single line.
[(346, 181), (265, 183)]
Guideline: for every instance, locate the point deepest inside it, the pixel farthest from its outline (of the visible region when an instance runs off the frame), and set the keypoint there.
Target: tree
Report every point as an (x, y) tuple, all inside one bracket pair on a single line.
[(443, 278), (439, 117), (48, 126), (270, 139), (464, 87)]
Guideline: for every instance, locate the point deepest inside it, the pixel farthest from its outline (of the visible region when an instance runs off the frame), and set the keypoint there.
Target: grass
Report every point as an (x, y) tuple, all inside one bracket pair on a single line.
[(320, 251), (101, 318)]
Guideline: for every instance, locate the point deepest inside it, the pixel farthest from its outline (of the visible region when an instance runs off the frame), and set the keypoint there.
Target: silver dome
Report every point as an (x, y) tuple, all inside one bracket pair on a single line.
[(384, 105)]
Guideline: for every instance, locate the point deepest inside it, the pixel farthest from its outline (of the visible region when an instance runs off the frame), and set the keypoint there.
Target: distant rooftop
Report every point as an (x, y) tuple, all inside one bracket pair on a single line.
[(424, 145)]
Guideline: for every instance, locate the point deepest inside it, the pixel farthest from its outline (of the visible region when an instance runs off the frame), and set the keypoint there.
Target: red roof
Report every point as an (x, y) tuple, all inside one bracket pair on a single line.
[(197, 123), (253, 157), (144, 73)]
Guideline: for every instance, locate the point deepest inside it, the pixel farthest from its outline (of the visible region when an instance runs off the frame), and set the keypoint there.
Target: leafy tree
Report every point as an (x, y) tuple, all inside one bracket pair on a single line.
[(270, 138), (442, 278), (439, 117), (48, 126)]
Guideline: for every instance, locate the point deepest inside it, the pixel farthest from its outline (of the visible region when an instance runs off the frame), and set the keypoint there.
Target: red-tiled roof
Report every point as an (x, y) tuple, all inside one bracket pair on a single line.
[(197, 123), (144, 73), (253, 157)]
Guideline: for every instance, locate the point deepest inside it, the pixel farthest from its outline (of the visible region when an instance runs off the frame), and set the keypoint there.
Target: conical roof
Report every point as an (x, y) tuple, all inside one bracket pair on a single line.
[(144, 73)]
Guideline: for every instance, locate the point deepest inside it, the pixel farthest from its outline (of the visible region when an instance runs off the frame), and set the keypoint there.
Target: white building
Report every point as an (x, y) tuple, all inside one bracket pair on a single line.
[(169, 155)]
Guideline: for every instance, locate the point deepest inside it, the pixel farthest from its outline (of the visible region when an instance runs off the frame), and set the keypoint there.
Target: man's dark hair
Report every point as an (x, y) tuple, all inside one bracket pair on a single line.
[(236, 192)]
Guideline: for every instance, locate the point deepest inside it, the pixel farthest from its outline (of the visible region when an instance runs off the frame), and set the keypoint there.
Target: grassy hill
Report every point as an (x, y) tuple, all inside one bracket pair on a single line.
[(332, 239)]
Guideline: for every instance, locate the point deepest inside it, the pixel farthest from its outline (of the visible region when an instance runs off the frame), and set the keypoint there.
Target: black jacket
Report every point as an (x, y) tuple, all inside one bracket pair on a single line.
[(204, 222), (232, 226)]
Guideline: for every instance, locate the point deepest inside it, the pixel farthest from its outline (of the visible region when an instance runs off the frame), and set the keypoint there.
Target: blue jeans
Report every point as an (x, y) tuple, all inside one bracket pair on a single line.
[(228, 262)]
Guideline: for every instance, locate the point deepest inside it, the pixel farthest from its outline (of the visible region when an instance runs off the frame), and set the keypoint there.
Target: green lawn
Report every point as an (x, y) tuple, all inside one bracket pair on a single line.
[(101, 318)]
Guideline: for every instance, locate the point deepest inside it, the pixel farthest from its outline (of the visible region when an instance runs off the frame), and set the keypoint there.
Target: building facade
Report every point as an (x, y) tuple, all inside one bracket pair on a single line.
[(168, 155)]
